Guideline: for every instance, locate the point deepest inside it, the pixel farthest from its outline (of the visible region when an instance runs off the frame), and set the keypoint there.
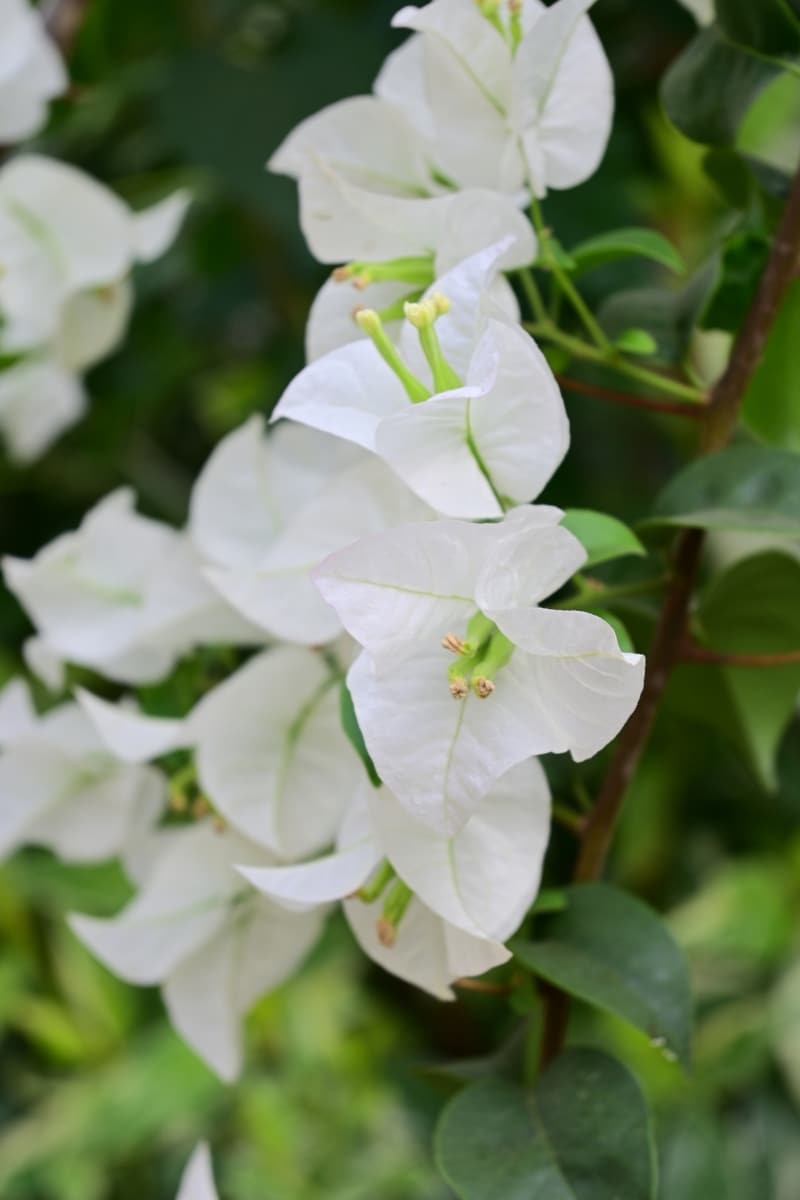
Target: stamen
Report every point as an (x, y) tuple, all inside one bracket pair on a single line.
[(370, 322), (491, 10), (453, 643), (417, 270), (423, 317), (495, 656), (394, 910), (371, 890), (482, 687), (515, 24), (459, 688)]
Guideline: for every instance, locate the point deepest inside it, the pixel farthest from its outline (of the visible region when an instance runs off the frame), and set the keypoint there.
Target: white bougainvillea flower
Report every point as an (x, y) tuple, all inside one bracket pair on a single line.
[(197, 1181), (60, 788), (124, 594), (32, 72), (270, 751), (508, 102), (465, 409), (212, 943), (521, 679), (265, 510), (433, 908), (67, 245)]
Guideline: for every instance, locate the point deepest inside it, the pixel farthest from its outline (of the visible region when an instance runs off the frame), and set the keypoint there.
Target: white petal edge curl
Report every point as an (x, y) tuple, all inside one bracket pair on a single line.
[(155, 228), (132, 736)]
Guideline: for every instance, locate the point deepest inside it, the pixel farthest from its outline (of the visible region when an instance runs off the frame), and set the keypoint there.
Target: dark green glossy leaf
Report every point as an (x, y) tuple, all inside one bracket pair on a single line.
[(353, 731), (754, 608), (626, 243), (746, 488), (708, 90), (669, 317), (582, 1133), (772, 405), (768, 26), (744, 257), (602, 536), (612, 951)]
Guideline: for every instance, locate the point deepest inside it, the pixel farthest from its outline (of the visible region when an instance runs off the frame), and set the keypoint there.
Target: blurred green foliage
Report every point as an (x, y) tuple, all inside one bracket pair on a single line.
[(100, 1101)]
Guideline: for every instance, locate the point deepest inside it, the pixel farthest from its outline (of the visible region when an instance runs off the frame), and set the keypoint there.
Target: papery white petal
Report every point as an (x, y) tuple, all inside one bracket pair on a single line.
[(155, 229), (131, 736), (87, 225), (576, 679), (701, 10), (428, 952), (38, 401), (530, 558), (17, 714), (320, 881), (184, 903), (43, 661), (346, 393), (438, 755), (401, 82), (208, 994), (32, 71), (197, 1181), (363, 137), (469, 37), (407, 587), (518, 425), (278, 592), (479, 218), (563, 96), (93, 323), (30, 287), (271, 753), (484, 878)]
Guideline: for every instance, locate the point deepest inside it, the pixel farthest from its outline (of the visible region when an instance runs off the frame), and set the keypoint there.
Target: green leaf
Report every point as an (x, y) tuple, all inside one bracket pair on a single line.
[(708, 90), (669, 317), (746, 488), (637, 341), (744, 258), (768, 26), (603, 537), (626, 243), (612, 951), (353, 732), (772, 404), (754, 608), (582, 1133)]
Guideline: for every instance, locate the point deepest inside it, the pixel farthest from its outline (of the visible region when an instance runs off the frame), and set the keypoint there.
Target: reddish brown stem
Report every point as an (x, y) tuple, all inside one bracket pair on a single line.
[(720, 415), (692, 651), (613, 396)]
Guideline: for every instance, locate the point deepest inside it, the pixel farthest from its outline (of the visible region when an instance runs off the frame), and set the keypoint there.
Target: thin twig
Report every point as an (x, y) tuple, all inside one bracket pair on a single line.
[(721, 418), (484, 985), (692, 410), (63, 20), (692, 651)]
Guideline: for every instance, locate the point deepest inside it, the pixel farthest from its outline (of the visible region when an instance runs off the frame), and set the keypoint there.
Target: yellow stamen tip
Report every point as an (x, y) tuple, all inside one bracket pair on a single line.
[(453, 643), (368, 320), (442, 303), (341, 274), (459, 688), (482, 687)]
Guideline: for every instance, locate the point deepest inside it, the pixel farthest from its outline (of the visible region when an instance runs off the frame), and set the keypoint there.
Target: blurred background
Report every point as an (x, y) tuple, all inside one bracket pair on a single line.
[(347, 1068)]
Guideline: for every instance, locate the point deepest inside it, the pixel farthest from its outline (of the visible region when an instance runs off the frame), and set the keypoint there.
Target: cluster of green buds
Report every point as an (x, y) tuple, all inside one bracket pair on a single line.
[(480, 655)]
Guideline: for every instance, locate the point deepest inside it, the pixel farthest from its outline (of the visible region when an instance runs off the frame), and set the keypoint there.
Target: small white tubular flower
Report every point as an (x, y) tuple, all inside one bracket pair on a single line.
[(60, 788), (32, 72), (528, 104), (212, 943), (459, 897), (521, 680), (271, 752), (123, 594), (266, 510), (197, 1181), (465, 409), (67, 245)]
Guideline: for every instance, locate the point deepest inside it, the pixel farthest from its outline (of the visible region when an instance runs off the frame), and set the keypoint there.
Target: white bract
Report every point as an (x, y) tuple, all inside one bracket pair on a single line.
[(265, 510), (701, 10), (67, 248), (124, 594), (463, 674), (211, 942), (453, 900), (197, 1181), (465, 409), (505, 101), (60, 788), (32, 72)]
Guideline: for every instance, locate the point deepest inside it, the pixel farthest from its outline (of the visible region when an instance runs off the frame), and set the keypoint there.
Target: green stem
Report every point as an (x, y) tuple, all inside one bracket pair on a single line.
[(564, 282), (615, 362), (532, 294)]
